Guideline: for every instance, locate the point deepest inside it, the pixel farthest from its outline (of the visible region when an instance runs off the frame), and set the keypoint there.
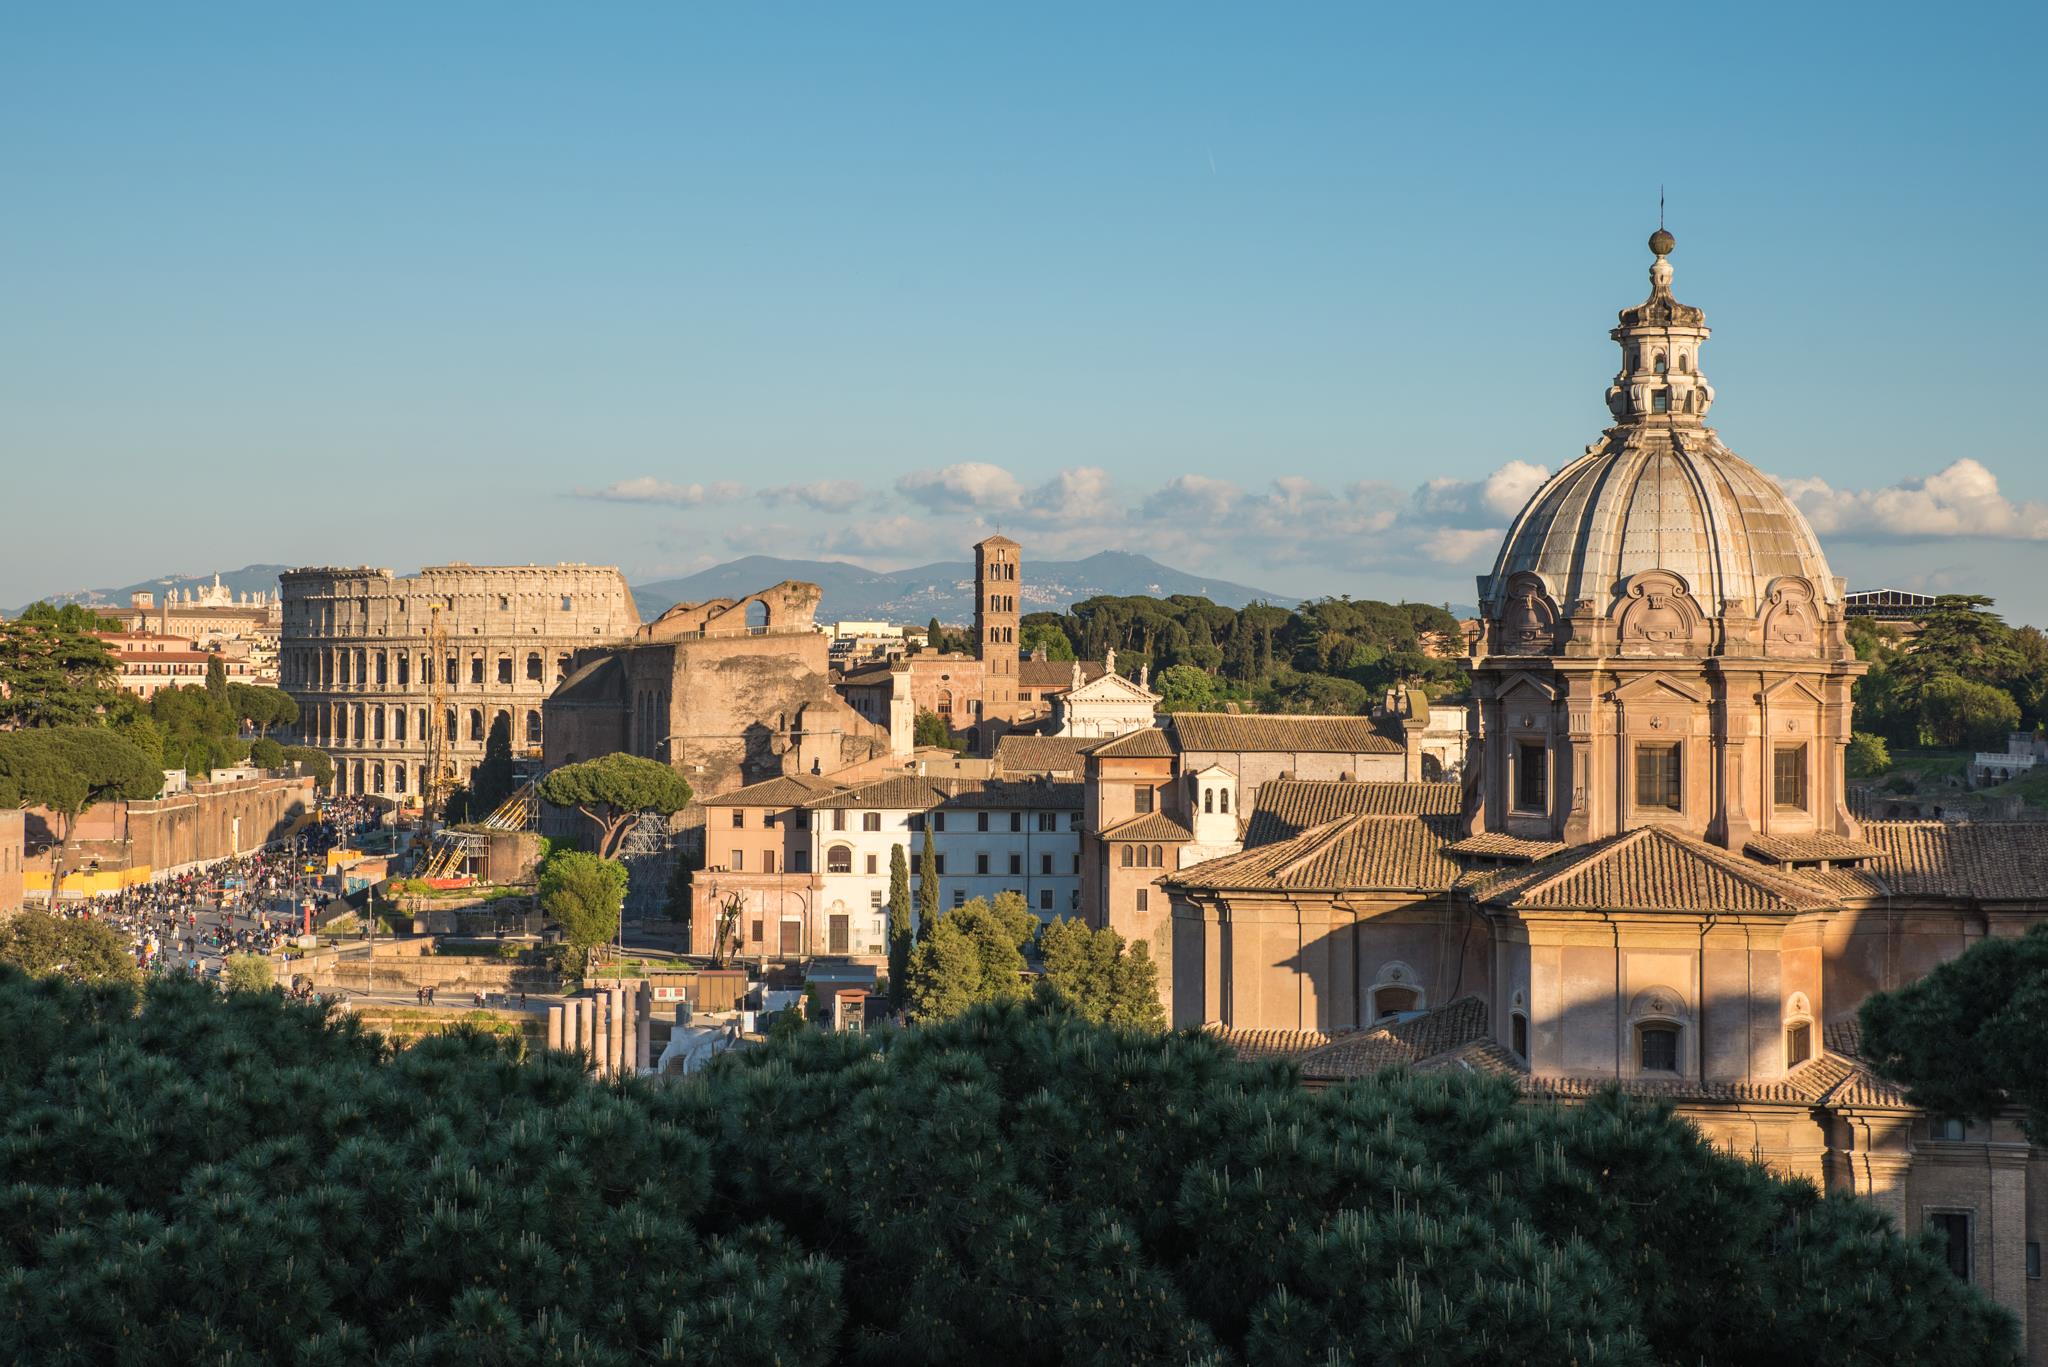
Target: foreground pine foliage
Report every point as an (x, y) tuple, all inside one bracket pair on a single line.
[(192, 1179)]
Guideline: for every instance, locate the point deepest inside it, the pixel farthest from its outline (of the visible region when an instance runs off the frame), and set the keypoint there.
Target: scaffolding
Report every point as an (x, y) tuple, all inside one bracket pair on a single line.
[(452, 849)]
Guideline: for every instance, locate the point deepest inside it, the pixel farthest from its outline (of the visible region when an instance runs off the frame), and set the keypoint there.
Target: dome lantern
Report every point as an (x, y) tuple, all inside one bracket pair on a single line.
[(1660, 338)]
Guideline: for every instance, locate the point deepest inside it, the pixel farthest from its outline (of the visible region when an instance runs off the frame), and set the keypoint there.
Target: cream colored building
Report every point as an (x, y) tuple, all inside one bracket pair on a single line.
[(1649, 873)]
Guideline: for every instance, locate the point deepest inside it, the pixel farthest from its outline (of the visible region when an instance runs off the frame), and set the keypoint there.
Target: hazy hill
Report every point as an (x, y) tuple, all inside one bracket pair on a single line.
[(248, 579), (944, 590)]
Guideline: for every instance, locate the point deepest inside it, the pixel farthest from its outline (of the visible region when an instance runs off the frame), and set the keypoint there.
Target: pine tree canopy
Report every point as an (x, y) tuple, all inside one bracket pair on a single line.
[(243, 1180)]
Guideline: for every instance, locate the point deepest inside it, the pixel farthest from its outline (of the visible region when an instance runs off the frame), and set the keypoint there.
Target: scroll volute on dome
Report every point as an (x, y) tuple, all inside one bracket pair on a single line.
[(1527, 624), (1792, 628), (1656, 615)]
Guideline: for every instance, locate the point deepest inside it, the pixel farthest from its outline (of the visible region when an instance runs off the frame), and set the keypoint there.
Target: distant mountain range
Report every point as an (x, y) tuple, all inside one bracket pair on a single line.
[(248, 579), (852, 592), (944, 590)]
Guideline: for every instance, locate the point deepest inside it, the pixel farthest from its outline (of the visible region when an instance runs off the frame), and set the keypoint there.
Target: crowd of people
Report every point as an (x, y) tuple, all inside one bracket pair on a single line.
[(188, 923)]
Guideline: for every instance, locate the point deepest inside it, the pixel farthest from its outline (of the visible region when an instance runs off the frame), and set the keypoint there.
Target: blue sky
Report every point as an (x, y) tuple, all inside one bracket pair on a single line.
[(1304, 296)]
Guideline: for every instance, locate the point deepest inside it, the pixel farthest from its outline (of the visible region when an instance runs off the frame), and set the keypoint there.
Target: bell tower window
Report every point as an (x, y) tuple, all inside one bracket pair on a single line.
[(1660, 401), (1663, 366), (1532, 777)]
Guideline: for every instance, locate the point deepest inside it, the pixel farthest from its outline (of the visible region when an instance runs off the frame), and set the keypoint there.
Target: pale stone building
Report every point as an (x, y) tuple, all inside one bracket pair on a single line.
[(1108, 705), (1650, 874), (394, 673)]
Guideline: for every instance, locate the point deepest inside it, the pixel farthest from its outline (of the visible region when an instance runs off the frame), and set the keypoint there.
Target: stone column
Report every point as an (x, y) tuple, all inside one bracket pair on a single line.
[(615, 1055), (555, 1023), (586, 1030), (601, 1047), (630, 1034), (645, 1020)]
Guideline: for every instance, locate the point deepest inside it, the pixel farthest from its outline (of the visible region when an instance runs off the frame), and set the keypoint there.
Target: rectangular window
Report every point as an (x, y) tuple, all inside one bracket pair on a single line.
[(871, 821), (1657, 776), (981, 821), (1045, 864), (1045, 904), (917, 821), (505, 670), (1046, 821), (739, 861), (875, 899), (1016, 865), (1788, 778), (1659, 1048), (1141, 800), (1144, 899), (767, 861), (939, 865), (938, 821), (839, 818), (1952, 1227), (757, 932), (872, 863), (800, 861), (2034, 1259), (1532, 777), (959, 897), (1016, 821), (1947, 1129), (739, 818), (803, 820), (1798, 1044), (981, 863)]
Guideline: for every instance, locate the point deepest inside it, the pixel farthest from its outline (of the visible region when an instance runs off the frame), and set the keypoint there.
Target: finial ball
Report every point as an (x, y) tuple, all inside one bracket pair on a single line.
[(1662, 242)]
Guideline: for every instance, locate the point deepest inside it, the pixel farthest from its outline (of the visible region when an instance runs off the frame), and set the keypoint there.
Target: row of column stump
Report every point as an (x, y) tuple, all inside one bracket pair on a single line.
[(611, 1028)]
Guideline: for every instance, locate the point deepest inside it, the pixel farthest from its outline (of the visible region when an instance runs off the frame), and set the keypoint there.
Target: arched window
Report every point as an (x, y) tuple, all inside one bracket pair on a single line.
[(1662, 367), (448, 727), (1518, 1034), (1684, 364), (476, 725), (533, 727), (1395, 992), (1388, 1002), (1128, 858), (757, 615), (839, 859), (1158, 857), (533, 666), (1223, 801), (1688, 402), (1208, 801), (1657, 1020), (1798, 1030)]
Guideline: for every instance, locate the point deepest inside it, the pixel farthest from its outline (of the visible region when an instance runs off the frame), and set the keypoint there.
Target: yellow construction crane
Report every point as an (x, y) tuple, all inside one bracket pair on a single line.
[(440, 764)]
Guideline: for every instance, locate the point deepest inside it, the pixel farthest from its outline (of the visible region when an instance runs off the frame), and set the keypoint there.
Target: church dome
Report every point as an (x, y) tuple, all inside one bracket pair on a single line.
[(1659, 492)]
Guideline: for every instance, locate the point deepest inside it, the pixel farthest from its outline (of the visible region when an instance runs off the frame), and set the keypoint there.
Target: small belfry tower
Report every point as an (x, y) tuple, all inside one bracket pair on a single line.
[(998, 567)]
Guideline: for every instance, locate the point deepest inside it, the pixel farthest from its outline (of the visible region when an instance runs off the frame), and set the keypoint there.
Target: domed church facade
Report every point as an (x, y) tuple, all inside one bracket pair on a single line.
[(1662, 639), (1651, 874)]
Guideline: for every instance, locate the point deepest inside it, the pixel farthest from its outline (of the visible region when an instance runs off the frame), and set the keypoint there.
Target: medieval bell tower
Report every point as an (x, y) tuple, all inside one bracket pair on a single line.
[(997, 579)]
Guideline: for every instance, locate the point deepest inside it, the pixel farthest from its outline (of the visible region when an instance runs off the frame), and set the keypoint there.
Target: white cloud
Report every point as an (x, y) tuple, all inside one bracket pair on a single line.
[(1480, 503), (648, 489), (899, 537), (1196, 496), (823, 495), (1079, 494), (968, 485), (1961, 500)]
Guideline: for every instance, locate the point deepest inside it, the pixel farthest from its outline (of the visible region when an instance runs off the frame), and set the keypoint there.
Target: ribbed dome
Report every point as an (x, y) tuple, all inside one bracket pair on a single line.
[(1659, 498)]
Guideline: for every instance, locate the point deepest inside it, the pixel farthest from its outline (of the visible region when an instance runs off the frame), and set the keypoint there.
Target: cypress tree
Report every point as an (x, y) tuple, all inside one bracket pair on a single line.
[(927, 887), (899, 926)]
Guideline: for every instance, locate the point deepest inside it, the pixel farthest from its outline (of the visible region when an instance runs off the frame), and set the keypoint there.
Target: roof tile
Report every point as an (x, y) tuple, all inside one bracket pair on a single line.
[(1285, 733)]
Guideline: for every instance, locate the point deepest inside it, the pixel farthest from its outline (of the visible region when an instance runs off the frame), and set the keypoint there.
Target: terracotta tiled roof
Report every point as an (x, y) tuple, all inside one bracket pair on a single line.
[(1988, 860), (1288, 806), (915, 792), (787, 790), (1500, 845), (1807, 849), (1147, 742), (1650, 869), (1150, 826), (1057, 675), (866, 675), (1361, 1053), (1356, 853), (1254, 1045), (1285, 734), (1018, 754)]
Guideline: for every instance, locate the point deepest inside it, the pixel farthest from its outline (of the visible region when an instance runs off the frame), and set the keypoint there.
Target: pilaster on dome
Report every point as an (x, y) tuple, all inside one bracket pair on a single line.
[(1660, 340)]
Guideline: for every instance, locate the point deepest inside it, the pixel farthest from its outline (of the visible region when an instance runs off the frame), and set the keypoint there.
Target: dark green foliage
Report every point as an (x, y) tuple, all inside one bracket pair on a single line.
[(932, 729), (311, 760), (613, 790), (266, 754), (974, 954), (1095, 974), (243, 1180), (583, 893), (491, 783), (42, 945), (1971, 1038), (1963, 680), (1328, 655), (927, 887), (54, 671), (901, 937)]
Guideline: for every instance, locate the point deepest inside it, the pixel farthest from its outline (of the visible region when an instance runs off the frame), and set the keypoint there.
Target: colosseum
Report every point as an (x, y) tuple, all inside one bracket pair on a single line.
[(359, 647)]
